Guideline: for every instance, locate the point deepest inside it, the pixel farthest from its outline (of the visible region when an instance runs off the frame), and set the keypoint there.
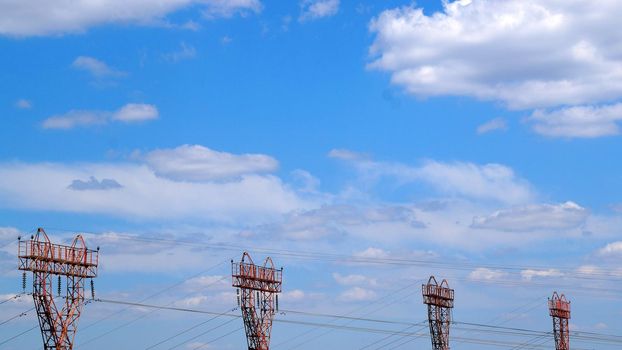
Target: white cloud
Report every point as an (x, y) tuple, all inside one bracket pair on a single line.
[(372, 253), (485, 274), (611, 249), (354, 280), (578, 121), (294, 295), (357, 294), (525, 53), (305, 181), (7, 233), (529, 274), (131, 112), (136, 112), (617, 207), (492, 125), (228, 8), (185, 52), (344, 154), (487, 182), (95, 67), (199, 163), (42, 17), (562, 216), (73, 119), (332, 221), (23, 103), (198, 345), (314, 9), (144, 195)]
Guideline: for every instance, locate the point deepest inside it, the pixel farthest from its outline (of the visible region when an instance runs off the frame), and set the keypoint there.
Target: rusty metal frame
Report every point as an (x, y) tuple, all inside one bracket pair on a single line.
[(259, 286), (45, 260), (559, 309), (440, 301)]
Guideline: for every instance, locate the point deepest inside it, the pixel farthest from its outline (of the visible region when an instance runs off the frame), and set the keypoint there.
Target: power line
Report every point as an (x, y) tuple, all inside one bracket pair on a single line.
[(18, 335), (216, 339), (149, 297), (606, 274), (487, 328), (201, 334), (186, 331), (16, 316)]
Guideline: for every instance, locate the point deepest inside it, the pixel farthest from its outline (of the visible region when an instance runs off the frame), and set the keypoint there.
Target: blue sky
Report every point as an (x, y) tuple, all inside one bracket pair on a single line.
[(480, 133)]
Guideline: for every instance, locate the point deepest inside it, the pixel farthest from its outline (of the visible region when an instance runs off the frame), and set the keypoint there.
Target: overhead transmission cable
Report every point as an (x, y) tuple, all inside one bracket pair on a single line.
[(147, 298)]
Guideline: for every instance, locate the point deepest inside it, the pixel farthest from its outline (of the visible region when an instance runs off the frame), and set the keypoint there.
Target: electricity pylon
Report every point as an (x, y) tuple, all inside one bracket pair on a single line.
[(45, 260), (258, 298), (559, 309), (440, 301)]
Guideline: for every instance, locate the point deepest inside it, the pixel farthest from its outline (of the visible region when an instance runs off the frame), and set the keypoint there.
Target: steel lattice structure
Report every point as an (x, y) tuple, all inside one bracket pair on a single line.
[(559, 308), (258, 298), (440, 301), (45, 260)]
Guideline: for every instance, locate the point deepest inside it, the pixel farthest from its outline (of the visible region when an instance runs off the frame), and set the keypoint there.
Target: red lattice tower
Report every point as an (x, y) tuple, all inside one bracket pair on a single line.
[(440, 301), (58, 323), (258, 298), (559, 308)]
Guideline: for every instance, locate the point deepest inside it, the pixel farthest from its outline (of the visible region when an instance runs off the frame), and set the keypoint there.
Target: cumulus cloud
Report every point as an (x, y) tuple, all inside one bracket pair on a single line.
[(131, 112), (23, 103), (485, 274), (135, 112), (492, 125), (95, 67), (198, 163), (578, 121), (526, 53), (611, 249), (372, 253), (314, 9), (294, 295), (40, 17), (93, 184), (562, 216)]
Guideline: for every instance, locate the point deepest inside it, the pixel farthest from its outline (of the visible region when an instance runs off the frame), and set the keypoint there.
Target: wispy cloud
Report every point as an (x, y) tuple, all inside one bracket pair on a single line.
[(130, 113), (562, 216), (185, 52), (485, 182), (228, 8), (21, 18), (23, 103), (315, 9), (96, 68), (492, 125), (578, 121)]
